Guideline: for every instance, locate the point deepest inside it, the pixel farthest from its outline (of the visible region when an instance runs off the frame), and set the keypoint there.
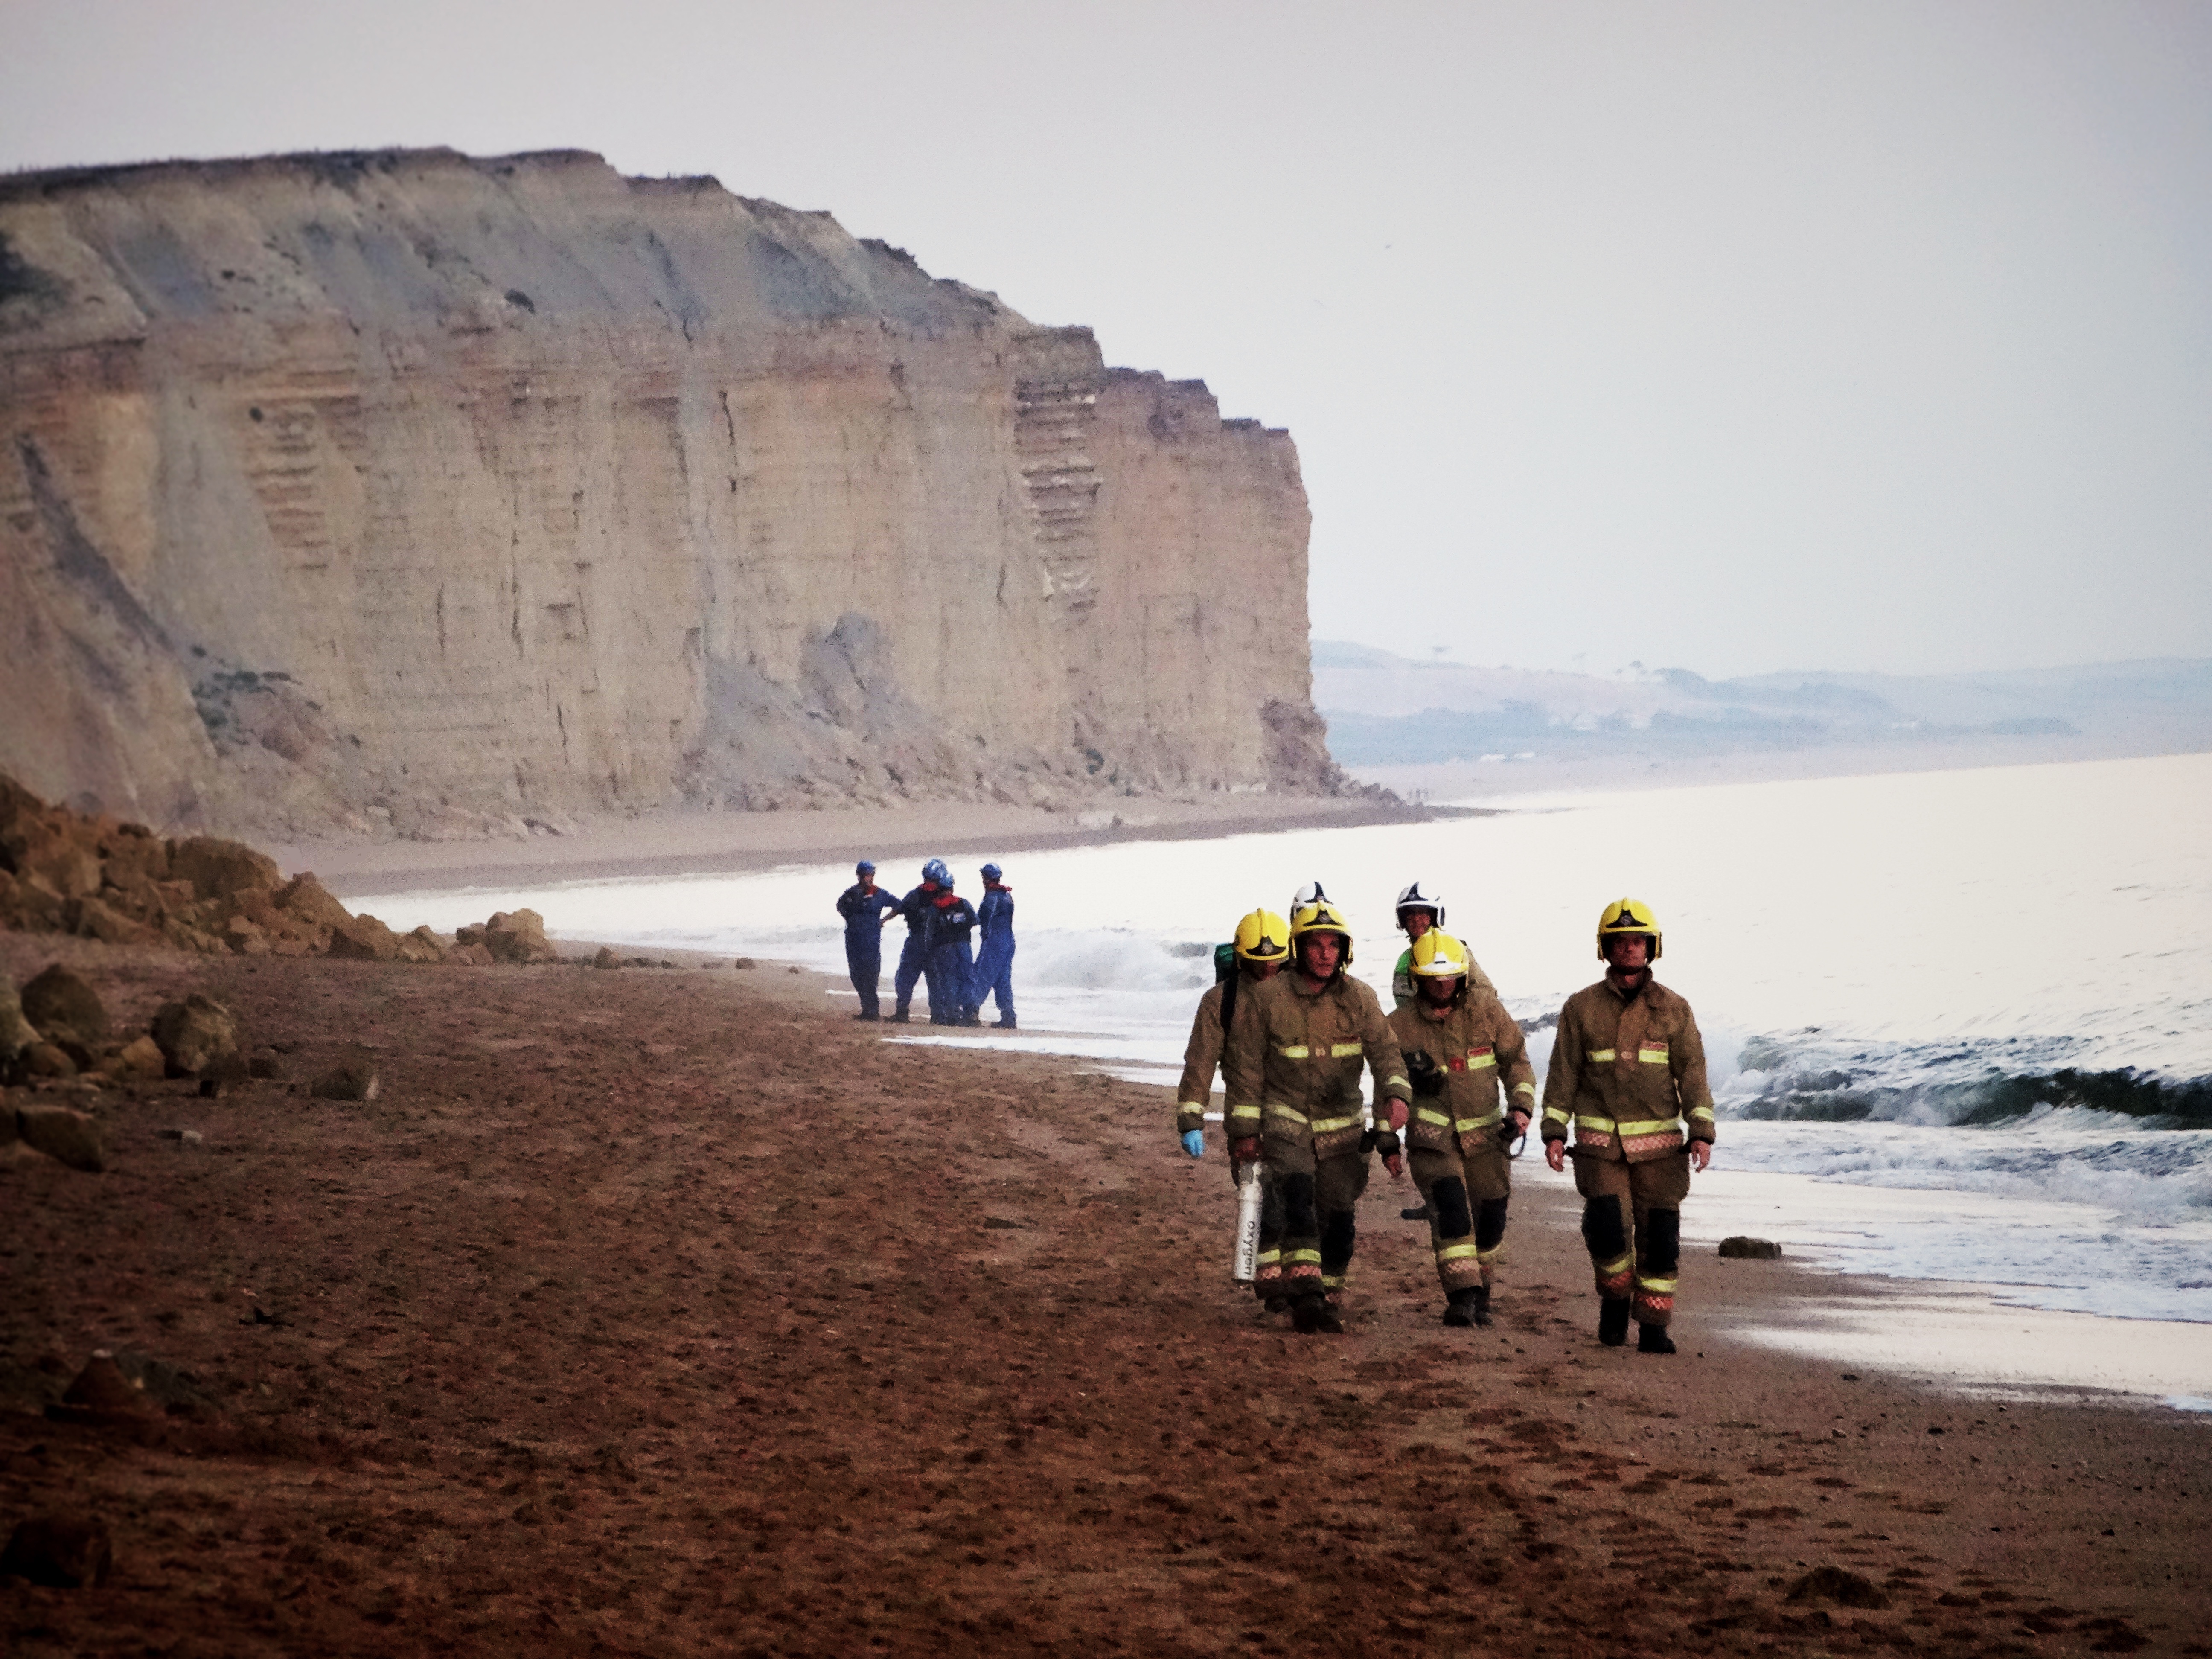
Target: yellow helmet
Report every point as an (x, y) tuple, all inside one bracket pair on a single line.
[(1627, 915), (1439, 955), (1263, 936), (1321, 917)]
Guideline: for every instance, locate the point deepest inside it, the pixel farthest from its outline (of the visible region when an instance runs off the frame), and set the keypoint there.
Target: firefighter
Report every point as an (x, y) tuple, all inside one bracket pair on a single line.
[(914, 955), (1295, 1050), (1417, 914), (1629, 1068), (1262, 945), (865, 906), (994, 956), (1461, 1048), (946, 965)]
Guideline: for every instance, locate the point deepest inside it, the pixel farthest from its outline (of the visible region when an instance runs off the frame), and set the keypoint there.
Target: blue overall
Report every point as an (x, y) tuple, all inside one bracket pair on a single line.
[(994, 956), (946, 963), (911, 953), (863, 910)]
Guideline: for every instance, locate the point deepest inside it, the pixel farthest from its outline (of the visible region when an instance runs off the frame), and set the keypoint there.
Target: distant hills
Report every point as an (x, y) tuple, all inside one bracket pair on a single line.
[(1389, 711)]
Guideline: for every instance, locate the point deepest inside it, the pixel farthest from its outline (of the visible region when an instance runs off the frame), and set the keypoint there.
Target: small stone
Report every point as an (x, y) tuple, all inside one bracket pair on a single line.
[(745, 962), (101, 1396), (354, 1077), (606, 958), (139, 1060), (1838, 1584), (194, 1034), (1751, 1249), (59, 1551), (68, 1136), (265, 1066), (45, 1060), (794, 969), (188, 1137)]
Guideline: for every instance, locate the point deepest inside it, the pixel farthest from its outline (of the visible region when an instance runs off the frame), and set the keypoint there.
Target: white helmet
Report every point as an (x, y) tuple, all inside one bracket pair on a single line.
[(1414, 899), (1309, 893)]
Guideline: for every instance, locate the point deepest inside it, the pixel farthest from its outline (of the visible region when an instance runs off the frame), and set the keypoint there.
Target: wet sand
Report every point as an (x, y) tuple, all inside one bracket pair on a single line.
[(665, 1311), (669, 844)]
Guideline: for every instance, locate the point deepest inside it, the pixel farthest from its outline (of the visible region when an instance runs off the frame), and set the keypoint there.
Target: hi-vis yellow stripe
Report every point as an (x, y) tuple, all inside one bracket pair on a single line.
[(1341, 1050), (1428, 1116), (1330, 1126), (1598, 1054), (1456, 1252), (1295, 1051), (1653, 1055), (1479, 1058)]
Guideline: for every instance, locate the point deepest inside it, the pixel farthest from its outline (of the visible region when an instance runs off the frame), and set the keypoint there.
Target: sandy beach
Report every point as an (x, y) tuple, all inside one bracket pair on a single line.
[(667, 1311), (669, 844)]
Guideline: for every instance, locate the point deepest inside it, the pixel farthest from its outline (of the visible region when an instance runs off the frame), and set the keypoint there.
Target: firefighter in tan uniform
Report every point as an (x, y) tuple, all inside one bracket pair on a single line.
[(1293, 1062), (1418, 914), (1629, 1069), (1262, 945), (1462, 1049)]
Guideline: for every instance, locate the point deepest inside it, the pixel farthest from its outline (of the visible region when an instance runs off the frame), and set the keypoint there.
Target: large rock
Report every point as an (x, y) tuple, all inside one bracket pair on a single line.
[(311, 902), (196, 1036), (58, 1552), (364, 939), (89, 918), (139, 1061), (422, 945), (60, 1004), (223, 869), (518, 936), (70, 1137), (1741, 1247), (16, 1033)]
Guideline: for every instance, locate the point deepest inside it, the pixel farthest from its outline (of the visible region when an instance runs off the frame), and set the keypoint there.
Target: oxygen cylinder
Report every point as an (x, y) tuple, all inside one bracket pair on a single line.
[(1246, 1260)]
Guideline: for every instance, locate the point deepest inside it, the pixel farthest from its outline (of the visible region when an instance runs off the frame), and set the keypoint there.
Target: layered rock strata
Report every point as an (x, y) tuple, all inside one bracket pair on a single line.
[(408, 493)]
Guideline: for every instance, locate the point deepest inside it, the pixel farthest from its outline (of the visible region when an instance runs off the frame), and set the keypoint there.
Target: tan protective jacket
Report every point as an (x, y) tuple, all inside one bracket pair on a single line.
[(1628, 1070), (1405, 992), (1293, 1059), (1481, 1051), (1200, 1056)]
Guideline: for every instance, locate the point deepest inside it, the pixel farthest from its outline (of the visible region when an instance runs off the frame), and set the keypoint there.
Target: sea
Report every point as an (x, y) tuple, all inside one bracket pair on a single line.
[(1959, 1024)]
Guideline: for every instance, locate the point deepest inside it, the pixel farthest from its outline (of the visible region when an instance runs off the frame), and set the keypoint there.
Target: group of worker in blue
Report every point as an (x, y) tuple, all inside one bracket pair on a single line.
[(962, 952)]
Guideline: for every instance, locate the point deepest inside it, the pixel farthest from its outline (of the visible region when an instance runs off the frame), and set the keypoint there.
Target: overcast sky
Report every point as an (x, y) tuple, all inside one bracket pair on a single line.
[(1738, 337)]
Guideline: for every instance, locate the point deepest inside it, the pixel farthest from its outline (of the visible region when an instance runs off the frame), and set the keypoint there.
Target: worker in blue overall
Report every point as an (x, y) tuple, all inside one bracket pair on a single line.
[(865, 907), (935, 880), (994, 956), (946, 963)]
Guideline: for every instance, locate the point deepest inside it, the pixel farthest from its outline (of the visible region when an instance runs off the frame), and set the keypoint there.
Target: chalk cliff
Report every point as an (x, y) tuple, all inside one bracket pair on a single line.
[(409, 493)]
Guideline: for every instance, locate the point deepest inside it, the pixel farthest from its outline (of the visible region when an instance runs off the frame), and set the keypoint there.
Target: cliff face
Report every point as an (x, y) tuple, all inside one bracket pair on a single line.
[(414, 493)]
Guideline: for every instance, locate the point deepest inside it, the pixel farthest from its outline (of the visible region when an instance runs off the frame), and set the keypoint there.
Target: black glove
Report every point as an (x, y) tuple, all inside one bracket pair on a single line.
[(1428, 1076)]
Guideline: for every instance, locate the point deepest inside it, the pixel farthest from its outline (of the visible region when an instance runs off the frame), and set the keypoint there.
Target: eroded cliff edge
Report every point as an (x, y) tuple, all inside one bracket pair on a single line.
[(414, 493)]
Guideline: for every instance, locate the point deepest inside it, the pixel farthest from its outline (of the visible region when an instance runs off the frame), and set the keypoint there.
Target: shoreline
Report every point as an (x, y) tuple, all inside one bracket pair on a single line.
[(591, 1316), (674, 845)]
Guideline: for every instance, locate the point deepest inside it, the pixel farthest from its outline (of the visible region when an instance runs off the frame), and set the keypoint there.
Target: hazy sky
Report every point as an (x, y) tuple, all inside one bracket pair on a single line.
[(1740, 337)]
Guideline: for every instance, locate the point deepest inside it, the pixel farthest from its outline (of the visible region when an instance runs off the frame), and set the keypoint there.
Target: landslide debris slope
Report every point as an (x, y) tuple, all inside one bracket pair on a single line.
[(414, 493)]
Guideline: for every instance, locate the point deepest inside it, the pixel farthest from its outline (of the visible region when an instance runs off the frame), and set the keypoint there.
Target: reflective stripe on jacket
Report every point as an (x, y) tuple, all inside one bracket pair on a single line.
[(1627, 1072), (1480, 1049), (1293, 1061)]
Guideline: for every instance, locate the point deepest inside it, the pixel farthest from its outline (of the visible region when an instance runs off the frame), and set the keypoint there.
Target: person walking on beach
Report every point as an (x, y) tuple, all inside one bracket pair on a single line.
[(946, 965), (915, 907), (1417, 914), (1628, 1068), (1295, 1051), (1262, 946), (994, 956), (1461, 1048), (865, 906)]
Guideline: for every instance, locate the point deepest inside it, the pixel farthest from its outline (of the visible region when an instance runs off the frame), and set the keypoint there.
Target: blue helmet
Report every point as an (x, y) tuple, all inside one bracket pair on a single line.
[(935, 871), (991, 873), (864, 868)]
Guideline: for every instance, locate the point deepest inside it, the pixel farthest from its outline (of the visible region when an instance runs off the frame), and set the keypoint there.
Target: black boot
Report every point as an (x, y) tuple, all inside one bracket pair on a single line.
[(1482, 1305), (1612, 1321), (1005, 1024), (1276, 1301), (1653, 1339), (1310, 1313), (898, 1015), (868, 1013), (1460, 1310)]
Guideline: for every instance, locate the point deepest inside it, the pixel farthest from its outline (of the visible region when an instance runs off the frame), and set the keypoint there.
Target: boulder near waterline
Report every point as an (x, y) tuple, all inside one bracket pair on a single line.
[(59, 1005), (1743, 1248), (195, 1035), (519, 936)]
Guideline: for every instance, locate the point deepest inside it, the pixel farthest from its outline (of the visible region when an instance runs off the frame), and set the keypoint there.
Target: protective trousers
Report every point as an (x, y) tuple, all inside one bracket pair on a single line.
[(911, 958), (1318, 1229), (947, 970), (864, 961), (1267, 1276), (995, 975), (1466, 1198), (1632, 1223)]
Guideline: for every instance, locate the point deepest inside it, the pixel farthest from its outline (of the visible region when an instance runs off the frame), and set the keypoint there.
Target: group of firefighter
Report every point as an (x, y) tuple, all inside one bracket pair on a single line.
[(1290, 1031), (940, 925)]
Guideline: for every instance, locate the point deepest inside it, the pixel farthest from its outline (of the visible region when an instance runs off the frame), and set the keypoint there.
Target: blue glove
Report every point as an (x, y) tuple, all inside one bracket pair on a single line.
[(1193, 1142)]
